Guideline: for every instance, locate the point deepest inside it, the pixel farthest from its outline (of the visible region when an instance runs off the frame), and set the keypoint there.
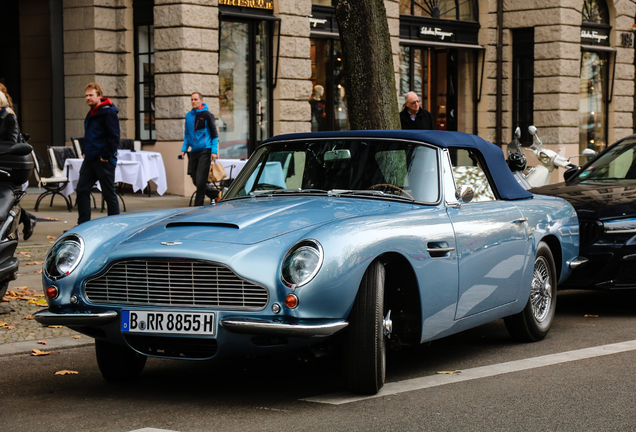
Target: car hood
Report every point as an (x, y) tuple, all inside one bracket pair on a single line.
[(597, 199), (253, 220)]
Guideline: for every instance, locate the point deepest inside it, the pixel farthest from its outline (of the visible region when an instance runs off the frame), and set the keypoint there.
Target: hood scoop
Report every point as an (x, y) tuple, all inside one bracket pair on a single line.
[(202, 224)]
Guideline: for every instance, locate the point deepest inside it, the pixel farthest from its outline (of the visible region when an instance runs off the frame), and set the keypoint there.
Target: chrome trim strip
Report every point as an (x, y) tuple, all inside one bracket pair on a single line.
[(270, 328), (579, 261), (46, 317)]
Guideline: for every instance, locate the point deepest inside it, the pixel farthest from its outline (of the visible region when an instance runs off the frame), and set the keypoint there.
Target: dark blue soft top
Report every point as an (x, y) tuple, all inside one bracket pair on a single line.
[(505, 182)]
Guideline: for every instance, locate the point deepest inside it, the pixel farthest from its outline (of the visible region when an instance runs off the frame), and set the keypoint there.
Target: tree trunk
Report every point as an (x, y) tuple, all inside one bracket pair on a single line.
[(368, 65)]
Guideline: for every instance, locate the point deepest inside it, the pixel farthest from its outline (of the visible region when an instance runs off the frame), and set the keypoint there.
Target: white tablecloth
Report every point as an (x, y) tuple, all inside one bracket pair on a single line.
[(232, 166), (130, 172), (153, 167)]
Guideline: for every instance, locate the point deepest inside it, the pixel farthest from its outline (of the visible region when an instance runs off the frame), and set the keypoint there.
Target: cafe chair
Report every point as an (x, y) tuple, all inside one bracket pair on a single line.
[(78, 145), (129, 144), (53, 185)]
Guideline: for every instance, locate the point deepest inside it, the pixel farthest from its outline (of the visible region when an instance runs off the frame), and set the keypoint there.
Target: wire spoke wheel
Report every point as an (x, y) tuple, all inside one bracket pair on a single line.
[(541, 292)]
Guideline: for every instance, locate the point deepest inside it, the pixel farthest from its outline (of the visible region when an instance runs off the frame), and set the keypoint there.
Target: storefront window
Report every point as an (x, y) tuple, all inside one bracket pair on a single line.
[(328, 100), (144, 70), (463, 10), (593, 89), (592, 108), (244, 86)]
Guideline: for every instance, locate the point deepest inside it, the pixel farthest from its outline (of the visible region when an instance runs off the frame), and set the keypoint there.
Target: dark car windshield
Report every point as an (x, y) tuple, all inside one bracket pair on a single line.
[(369, 168), (618, 163)]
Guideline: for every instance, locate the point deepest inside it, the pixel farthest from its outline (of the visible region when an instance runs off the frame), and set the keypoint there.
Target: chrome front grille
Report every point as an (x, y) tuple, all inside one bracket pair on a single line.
[(175, 283)]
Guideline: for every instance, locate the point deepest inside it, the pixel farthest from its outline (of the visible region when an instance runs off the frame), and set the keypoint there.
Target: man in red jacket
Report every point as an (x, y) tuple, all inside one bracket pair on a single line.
[(101, 140)]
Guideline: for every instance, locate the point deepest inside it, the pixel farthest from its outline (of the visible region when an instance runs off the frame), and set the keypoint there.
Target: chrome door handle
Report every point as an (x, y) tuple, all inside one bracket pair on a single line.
[(522, 220), (440, 250)]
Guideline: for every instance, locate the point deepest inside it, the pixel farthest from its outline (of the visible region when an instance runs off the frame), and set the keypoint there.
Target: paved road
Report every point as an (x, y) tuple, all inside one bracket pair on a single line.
[(579, 393)]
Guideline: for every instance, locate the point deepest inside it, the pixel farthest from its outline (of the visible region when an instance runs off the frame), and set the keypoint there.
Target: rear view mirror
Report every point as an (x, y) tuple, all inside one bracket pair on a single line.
[(337, 155)]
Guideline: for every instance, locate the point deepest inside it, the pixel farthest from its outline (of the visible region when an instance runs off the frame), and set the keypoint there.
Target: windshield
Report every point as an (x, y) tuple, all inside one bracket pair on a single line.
[(619, 163), (373, 168)]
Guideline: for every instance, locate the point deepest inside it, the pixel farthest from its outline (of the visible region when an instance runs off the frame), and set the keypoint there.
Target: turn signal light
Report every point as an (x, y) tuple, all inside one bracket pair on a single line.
[(291, 301), (52, 292)]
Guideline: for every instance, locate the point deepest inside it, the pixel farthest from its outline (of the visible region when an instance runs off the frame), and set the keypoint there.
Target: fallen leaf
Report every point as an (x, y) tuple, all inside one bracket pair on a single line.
[(3, 324), (76, 337), (41, 303), (50, 218), (38, 295), (51, 242), (51, 237), (450, 372), (40, 271), (37, 352), (4, 299), (42, 342), (591, 316), (54, 326), (34, 263), (66, 372), (29, 317), (10, 327), (24, 253)]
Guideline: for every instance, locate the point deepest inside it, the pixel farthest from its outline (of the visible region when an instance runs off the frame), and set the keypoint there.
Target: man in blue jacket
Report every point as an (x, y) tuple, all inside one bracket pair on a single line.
[(101, 140), (203, 139)]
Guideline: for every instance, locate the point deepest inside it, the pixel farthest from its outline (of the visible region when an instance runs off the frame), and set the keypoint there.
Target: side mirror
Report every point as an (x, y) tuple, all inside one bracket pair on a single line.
[(532, 130), (464, 194), (588, 152), (568, 174), (517, 133)]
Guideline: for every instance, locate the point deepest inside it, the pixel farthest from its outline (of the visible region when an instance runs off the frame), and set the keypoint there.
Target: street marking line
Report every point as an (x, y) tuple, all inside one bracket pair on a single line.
[(479, 372)]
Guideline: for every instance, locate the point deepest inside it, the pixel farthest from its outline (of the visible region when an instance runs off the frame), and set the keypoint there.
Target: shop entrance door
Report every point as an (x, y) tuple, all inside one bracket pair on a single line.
[(245, 71)]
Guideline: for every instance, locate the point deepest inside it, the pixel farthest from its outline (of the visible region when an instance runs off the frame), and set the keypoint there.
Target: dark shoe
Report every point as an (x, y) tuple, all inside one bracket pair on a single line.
[(28, 227)]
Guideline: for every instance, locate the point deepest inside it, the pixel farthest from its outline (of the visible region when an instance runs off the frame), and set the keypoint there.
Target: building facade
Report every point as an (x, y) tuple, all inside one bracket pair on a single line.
[(267, 67)]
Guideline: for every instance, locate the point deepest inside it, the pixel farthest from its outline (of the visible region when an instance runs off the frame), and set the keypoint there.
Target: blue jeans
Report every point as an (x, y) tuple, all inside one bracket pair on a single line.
[(104, 172)]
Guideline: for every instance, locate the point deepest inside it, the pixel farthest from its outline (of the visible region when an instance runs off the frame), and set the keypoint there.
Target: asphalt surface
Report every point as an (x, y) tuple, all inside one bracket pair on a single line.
[(19, 332)]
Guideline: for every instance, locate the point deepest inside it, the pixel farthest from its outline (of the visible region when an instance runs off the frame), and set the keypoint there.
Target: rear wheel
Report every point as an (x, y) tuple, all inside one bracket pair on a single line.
[(534, 322), (118, 363), (367, 333)]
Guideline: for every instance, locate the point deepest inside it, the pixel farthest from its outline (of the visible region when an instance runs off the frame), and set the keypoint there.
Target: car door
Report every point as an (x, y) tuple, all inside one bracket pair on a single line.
[(490, 235)]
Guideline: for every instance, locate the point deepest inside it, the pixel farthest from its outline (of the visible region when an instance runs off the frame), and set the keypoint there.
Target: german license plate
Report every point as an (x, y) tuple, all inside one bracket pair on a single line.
[(191, 323)]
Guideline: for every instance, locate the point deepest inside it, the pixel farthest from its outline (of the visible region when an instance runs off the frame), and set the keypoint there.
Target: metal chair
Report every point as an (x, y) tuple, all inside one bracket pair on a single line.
[(53, 185)]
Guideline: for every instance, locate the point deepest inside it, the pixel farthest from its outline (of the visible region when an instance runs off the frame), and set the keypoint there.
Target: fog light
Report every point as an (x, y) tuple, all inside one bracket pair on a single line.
[(74, 299), (52, 292), (291, 301), (275, 308)]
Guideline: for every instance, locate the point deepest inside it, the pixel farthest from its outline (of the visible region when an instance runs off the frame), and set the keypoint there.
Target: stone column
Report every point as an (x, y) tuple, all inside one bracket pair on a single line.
[(186, 61), (292, 112), (98, 46)]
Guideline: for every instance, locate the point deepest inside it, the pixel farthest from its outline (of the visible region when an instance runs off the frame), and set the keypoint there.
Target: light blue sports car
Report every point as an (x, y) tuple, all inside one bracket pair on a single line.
[(372, 239)]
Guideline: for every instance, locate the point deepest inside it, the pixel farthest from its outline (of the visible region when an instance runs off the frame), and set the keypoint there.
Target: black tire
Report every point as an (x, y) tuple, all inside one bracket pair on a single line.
[(365, 345), (118, 363), (4, 286), (534, 322)]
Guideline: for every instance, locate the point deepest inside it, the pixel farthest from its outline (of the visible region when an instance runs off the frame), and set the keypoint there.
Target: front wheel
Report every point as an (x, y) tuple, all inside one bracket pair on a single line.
[(118, 363), (534, 321), (369, 327)]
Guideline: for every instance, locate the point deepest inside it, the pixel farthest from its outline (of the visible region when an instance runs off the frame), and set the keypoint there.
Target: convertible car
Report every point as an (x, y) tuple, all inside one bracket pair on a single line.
[(367, 239), (603, 192)]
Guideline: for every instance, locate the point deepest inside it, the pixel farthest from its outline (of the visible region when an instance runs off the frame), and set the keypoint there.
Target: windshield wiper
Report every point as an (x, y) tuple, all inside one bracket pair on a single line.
[(285, 191), (337, 192)]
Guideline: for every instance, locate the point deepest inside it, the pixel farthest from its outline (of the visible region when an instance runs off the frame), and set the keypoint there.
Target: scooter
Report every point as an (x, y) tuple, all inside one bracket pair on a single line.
[(541, 174), (16, 166)]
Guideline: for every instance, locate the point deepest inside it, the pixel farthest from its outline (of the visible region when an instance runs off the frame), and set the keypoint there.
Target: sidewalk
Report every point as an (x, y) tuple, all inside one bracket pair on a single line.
[(19, 332)]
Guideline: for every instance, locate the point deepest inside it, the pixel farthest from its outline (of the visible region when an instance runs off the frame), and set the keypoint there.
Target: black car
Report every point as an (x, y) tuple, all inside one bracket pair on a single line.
[(603, 192)]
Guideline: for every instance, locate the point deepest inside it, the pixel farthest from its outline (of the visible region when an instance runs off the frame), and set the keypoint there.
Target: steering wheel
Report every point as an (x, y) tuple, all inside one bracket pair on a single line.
[(393, 187)]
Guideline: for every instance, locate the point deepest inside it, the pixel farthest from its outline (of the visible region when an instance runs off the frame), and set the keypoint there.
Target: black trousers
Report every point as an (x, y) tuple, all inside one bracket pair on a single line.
[(104, 172), (199, 170)]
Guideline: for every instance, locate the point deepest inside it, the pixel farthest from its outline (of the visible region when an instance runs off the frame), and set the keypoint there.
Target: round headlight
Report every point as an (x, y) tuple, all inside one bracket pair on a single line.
[(544, 158), (301, 263), (64, 256)]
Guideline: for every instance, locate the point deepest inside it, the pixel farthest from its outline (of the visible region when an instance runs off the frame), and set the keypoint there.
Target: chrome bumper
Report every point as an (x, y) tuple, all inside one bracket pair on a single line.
[(579, 261), (304, 329), (46, 317)]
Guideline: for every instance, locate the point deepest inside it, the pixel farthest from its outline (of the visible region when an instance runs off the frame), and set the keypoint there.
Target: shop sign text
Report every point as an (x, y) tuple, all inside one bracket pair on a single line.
[(437, 32), (586, 34), (256, 4)]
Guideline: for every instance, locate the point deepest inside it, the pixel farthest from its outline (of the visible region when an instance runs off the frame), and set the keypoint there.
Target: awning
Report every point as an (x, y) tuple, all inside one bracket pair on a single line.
[(597, 48), (440, 44)]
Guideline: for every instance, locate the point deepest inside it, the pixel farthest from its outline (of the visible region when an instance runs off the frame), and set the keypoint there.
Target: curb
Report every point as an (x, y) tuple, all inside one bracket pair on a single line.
[(26, 347)]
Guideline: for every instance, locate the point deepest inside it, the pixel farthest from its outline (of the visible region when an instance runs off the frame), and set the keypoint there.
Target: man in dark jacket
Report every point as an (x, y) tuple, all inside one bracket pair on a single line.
[(413, 116), (101, 140)]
